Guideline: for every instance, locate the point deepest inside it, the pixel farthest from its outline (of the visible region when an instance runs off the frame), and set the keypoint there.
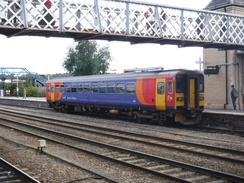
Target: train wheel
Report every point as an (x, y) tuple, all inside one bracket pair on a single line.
[(162, 122), (63, 109), (137, 118)]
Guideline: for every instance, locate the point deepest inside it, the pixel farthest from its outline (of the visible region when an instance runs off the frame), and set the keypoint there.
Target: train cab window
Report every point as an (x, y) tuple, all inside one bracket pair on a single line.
[(111, 88), (120, 88), (130, 87), (52, 88), (102, 88), (57, 89), (160, 88), (94, 88), (87, 88), (201, 83), (49, 89), (80, 88), (73, 88), (67, 88), (170, 87), (61, 88), (180, 78)]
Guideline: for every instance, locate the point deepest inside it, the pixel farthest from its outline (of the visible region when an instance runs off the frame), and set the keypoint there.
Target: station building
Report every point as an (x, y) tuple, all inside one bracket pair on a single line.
[(229, 64)]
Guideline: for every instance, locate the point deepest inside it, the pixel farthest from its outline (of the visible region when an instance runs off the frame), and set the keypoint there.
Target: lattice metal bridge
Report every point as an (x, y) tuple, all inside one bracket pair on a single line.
[(14, 73), (121, 20)]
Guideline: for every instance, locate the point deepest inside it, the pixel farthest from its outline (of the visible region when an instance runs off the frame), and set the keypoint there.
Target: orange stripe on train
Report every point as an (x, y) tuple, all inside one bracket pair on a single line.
[(145, 90)]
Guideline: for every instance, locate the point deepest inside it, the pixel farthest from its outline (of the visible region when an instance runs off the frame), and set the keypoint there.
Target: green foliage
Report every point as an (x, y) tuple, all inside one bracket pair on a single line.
[(31, 91), (87, 59)]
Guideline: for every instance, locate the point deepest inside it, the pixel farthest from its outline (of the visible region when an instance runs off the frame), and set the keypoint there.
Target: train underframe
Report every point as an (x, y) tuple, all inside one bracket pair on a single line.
[(140, 115)]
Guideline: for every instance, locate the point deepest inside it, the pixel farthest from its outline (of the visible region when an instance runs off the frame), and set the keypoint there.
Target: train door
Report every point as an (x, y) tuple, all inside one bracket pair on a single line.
[(160, 94), (192, 93), (52, 92)]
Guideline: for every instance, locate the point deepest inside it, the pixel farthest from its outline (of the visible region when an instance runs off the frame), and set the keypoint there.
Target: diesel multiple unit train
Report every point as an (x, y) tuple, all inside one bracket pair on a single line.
[(160, 97)]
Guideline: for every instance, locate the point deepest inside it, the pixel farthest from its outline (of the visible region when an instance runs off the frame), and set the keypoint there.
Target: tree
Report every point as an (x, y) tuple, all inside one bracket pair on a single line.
[(87, 59)]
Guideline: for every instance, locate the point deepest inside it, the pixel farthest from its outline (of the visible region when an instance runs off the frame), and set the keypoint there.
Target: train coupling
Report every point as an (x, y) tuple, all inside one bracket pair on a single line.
[(183, 120)]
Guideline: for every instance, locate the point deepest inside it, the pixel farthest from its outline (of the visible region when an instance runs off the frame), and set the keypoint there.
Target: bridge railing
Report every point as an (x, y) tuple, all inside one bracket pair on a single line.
[(123, 18)]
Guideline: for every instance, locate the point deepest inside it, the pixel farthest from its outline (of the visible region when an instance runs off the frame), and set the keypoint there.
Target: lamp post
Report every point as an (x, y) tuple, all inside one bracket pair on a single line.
[(17, 88), (200, 62)]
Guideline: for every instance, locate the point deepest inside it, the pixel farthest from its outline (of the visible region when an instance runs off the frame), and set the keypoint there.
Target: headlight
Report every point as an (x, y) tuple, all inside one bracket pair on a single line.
[(180, 99), (201, 98)]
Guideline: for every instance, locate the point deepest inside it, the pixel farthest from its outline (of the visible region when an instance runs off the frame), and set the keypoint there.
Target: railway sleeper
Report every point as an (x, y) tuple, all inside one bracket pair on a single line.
[(183, 174), (128, 158), (198, 178), (136, 161), (172, 170), (158, 167)]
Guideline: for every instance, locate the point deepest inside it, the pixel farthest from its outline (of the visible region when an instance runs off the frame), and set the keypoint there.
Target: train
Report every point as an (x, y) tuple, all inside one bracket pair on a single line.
[(156, 96)]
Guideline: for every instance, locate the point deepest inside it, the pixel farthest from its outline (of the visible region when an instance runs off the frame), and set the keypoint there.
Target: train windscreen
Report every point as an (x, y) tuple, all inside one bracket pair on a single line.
[(181, 82)]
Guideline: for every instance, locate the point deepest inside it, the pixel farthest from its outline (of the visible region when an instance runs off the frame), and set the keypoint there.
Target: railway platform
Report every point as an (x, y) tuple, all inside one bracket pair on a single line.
[(228, 118), (225, 112), (28, 101), (232, 119)]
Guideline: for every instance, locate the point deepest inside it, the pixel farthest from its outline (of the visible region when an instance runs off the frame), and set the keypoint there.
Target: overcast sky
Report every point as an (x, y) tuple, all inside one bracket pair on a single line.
[(46, 55)]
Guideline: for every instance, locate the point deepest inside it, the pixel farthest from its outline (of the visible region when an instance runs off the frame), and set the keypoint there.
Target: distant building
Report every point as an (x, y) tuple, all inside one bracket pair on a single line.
[(231, 68)]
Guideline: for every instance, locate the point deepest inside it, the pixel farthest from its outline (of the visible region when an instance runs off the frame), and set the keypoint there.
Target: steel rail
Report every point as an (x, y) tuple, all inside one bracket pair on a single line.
[(194, 168), (14, 174)]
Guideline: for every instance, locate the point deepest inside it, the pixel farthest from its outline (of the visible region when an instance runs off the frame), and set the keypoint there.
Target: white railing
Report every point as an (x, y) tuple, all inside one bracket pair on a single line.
[(123, 18)]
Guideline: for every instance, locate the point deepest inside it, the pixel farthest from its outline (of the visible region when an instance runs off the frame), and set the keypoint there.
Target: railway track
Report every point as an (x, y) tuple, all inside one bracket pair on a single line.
[(231, 155), (169, 169), (11, 174), (198, 127)]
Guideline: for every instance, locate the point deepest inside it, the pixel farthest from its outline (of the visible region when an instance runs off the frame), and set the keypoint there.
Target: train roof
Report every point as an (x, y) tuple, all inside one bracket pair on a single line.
[(133, 75)]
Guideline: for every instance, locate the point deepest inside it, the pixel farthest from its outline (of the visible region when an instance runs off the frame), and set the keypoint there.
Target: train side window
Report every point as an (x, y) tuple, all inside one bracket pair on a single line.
[(61, 88), (73, 88), (160, 88), (57, 90), (87, 88), (120, 88), (94, 88), (67, 88), (80, 88), (170, 87), (102, 88), (130, 88), (111, 88)]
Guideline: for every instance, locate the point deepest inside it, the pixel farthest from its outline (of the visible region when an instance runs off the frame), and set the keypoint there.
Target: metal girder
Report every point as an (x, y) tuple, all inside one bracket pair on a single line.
[(122, 20)]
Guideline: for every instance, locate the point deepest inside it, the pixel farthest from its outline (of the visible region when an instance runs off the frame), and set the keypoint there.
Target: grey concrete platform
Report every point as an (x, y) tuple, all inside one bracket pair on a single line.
[(230, 112), (28, 101)]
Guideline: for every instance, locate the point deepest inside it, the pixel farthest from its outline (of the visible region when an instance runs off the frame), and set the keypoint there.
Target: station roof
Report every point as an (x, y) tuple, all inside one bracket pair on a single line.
[(218, 4)]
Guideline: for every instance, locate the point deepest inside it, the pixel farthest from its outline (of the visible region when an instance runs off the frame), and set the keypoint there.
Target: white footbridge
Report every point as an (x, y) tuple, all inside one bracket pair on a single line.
[(121, 20)]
